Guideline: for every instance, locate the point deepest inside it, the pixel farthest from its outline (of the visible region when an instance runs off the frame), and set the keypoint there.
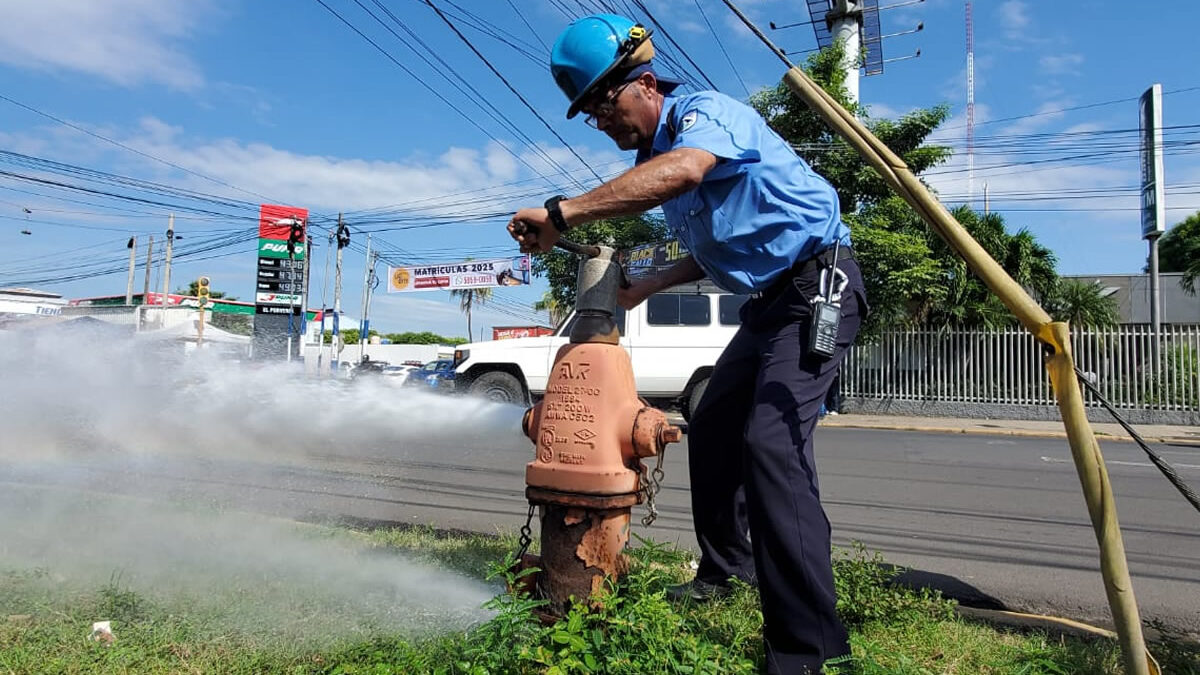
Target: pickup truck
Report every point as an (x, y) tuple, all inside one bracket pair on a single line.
[(673, 340)]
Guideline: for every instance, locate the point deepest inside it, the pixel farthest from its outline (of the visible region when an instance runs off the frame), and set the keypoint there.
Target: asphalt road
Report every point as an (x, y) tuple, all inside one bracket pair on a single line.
[(995, 521)]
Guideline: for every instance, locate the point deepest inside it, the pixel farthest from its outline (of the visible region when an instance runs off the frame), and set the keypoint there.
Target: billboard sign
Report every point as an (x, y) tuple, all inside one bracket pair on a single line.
[(275, 222), (511, 332), (466, 274), (274, 248), (1150, 119), (279, 283), (650, 259)]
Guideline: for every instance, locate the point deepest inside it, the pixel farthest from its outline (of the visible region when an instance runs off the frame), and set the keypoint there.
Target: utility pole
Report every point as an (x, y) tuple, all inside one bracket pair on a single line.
[(364, 324), (845, 23), (149, 267), (167, 267), (335, 340), (307, 301), (132, 246)]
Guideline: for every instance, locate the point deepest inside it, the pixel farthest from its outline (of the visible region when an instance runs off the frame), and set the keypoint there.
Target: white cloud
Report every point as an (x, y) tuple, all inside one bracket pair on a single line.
[(1061, 64), (333, 183), (1014, 17), (128, 42)]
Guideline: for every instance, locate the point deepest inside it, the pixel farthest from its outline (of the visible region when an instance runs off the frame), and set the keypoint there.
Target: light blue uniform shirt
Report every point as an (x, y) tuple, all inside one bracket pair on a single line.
[(760, 209)]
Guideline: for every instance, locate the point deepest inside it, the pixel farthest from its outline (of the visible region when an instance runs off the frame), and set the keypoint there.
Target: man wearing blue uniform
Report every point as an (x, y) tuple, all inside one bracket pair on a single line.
[(756, 220)]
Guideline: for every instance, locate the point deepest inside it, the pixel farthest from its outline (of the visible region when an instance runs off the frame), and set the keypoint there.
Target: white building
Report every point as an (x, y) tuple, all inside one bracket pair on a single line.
[(23, 303)]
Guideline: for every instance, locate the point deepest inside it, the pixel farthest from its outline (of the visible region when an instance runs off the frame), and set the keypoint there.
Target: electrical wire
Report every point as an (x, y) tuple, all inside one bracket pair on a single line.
[(425, 84), (737, 73), (511, 88)]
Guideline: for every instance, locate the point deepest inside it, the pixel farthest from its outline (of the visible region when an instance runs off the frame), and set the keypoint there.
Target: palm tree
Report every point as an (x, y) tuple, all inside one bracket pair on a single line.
[(1082, 304), (552, 306), (467, 299), (1179, 251)]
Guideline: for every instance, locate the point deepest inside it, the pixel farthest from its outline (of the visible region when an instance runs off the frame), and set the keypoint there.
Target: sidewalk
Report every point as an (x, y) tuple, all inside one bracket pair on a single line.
[(1152, 433)]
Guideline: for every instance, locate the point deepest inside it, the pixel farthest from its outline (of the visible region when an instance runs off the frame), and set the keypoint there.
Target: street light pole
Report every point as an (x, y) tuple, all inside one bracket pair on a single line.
[(364, 324), (167, 267)]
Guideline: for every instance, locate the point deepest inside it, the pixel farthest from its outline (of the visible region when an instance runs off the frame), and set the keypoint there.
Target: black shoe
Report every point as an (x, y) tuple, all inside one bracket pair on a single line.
[(697, 591)]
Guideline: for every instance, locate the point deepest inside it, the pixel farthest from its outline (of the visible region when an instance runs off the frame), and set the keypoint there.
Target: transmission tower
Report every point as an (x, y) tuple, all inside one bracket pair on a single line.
[(970, 109)]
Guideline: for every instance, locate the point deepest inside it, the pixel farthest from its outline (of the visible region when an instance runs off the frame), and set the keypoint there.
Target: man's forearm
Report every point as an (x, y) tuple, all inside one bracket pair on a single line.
[(642, 188), (680, 273)]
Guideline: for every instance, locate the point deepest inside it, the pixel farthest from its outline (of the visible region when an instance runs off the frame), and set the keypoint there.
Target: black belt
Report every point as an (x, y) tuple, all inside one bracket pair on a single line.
[(823, 259)]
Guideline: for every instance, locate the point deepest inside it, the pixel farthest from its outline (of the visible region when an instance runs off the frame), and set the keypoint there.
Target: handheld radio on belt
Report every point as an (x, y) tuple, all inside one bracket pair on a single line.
[(827, 310)]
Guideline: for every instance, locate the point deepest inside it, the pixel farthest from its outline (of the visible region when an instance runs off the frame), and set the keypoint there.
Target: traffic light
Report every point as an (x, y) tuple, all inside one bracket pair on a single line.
[(295, 236), (202, 290)]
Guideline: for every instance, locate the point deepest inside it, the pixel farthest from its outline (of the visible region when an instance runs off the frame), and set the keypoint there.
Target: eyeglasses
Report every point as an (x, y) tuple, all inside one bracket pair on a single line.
[(604, 108)]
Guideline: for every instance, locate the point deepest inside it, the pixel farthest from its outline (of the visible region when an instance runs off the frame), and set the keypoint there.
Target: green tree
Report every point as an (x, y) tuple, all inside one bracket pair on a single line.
[(1179, 251), (967, 302), (193, 289), (1082, 303), (350, 336), (911, 275), (422, 338), (560, 267), (552, 307), (856, 182), (904, 278), (468, 299)]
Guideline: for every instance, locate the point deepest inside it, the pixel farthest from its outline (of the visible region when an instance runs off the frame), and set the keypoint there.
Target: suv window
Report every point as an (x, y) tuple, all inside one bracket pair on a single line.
[(675, 309), (729, 309)]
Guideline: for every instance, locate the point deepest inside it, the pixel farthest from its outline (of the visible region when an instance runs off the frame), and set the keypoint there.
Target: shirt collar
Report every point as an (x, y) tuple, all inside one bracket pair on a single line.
[(662, 136)]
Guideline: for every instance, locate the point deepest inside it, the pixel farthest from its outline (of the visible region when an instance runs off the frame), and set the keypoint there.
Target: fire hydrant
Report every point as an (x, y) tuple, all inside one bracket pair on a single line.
[(590, 433)]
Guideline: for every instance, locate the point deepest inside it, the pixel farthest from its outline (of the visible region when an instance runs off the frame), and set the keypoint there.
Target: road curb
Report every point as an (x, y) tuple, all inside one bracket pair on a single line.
[(1032, 433)]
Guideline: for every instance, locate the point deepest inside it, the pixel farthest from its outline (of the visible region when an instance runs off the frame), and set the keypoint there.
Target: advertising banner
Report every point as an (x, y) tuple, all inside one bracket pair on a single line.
[(275, 222), (273, 248), (649, 259), (511, 332), (466, 274), (261, 298), (1150, 121)]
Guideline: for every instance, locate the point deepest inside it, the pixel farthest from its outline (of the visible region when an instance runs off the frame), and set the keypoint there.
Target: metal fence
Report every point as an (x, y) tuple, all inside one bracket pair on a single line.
[(1006, 367)]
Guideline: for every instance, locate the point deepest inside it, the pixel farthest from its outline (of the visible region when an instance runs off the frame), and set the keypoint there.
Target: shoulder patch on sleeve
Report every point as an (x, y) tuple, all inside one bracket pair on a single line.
[(687, 121)]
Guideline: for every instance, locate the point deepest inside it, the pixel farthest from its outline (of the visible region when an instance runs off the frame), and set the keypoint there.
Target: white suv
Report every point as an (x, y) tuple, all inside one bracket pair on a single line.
[(673, 340)]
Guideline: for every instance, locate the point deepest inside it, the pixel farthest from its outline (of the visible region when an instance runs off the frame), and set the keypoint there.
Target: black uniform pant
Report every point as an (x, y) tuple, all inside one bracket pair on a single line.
[(755, 498)]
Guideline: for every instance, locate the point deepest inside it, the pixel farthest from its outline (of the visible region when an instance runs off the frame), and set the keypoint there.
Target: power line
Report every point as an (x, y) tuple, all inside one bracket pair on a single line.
[(423, 83), (510, 87), (721, 44)]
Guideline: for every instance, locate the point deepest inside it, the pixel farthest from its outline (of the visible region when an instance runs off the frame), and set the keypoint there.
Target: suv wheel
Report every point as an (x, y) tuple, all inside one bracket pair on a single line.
[(689, 410), (499, 386)]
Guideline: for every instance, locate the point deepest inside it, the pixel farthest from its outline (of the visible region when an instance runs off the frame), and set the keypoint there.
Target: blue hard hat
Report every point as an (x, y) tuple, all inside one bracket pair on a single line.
[(591, 48)]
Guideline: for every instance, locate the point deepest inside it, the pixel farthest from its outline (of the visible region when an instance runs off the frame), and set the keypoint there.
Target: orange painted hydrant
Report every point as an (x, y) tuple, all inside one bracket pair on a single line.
[(590, 433)]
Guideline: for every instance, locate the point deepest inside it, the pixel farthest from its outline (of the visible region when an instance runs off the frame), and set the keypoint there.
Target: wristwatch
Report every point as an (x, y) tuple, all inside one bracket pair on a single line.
[(556, 216)]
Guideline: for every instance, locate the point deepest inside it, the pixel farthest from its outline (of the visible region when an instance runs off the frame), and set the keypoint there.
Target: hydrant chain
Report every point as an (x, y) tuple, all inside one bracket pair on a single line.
[(526, 534), (650, 490)]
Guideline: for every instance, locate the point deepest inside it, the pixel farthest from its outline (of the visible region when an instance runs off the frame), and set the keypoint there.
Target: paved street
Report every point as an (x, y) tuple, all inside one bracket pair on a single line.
[(997, 520)]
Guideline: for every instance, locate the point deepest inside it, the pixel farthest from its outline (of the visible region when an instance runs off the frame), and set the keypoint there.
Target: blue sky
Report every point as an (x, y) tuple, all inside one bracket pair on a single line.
[(269, 101)]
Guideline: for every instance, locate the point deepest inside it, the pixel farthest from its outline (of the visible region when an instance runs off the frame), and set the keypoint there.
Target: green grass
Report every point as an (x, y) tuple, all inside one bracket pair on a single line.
[(45, 621)]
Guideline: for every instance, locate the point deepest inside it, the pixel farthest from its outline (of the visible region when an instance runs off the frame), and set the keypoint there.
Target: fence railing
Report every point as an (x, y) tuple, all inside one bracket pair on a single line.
[(1125, 363)]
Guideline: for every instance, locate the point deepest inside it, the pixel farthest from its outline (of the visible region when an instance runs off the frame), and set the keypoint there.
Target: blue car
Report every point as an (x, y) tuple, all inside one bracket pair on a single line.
[(437, 375)]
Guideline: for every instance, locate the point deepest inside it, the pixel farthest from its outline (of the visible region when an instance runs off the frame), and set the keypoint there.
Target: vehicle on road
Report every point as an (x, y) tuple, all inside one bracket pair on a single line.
[(673, 340), (398, 373), (369, 368), (437, 375)]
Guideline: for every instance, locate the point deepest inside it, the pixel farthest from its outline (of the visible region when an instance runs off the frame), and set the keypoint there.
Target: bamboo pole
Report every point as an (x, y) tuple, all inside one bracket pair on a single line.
[(1089, 463)]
